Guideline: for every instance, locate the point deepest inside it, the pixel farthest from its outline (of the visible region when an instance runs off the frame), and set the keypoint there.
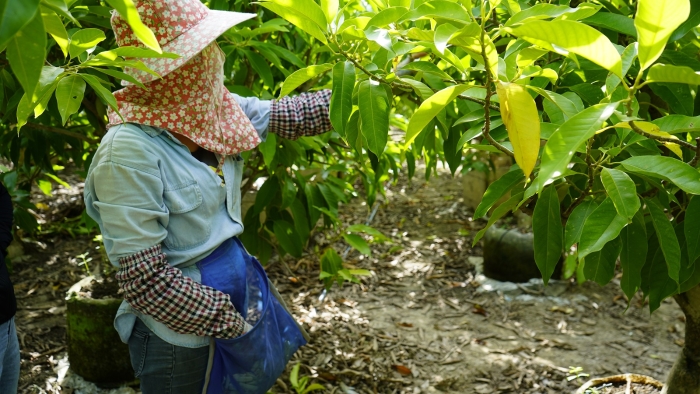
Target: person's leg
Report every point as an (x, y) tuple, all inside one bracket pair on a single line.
[(9, 357), (164, 368)]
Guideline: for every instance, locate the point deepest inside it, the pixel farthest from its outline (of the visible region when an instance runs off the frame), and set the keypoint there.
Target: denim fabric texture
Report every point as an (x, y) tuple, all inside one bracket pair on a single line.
[(9, 357), (152, 191), (164, 368)]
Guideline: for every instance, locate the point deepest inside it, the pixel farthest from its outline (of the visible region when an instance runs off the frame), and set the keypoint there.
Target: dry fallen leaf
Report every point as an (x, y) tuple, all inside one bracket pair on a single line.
[(404, 324), (401, 369), (327, 376), (478, 309)]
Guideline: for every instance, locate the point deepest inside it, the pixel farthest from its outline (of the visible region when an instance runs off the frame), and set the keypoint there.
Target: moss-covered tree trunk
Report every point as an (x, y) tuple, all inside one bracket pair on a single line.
[(684, 377)]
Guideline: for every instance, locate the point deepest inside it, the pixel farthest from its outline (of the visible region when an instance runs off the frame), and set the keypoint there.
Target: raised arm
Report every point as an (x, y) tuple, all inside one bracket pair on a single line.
[(289, 117)]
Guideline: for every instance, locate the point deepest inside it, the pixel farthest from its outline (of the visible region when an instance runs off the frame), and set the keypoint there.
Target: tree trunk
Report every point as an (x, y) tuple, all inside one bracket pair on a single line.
[(684, 377)]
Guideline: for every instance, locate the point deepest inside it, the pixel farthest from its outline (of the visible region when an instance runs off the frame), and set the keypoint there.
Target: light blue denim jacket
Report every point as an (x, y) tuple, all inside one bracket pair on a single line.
[(145, 188)]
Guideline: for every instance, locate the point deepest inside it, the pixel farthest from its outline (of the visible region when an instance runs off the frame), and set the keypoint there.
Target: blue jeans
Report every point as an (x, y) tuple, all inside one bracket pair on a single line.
[(9, 357), (164, 368)]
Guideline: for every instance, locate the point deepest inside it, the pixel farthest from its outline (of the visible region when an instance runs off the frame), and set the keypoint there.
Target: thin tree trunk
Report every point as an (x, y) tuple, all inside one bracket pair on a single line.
[(684, 377)]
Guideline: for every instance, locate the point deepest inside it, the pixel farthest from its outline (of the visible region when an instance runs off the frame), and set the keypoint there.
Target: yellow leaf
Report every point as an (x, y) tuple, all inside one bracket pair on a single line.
[(565, 37), (519, 113), (655, 21), (675, 148), (653, 129)]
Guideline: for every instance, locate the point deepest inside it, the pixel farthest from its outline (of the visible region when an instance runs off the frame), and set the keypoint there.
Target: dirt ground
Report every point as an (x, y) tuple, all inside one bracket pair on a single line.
[(425, 321)]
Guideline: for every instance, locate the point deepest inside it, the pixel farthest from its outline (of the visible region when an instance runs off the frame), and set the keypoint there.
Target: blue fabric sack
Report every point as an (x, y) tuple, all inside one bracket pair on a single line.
[(251, 363)]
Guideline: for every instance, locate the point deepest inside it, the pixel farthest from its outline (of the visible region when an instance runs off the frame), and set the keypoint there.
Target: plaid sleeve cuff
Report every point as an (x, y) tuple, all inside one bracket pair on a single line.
[(155, 288), (303, 115)]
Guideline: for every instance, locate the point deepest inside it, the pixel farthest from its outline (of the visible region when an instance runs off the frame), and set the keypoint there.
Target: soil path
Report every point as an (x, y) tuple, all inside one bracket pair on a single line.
[(424, 322)]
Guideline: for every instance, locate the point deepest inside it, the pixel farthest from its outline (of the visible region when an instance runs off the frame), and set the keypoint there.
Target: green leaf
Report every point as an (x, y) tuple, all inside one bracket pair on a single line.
[(600, 266), (498, 213), (301, 222), (287, 237), (268, 149), (628, 56), (101, 91), (330, 263), (69, 95), (261, 67), (135, 52), (673, 170), (60, 8), (120, 75), (330, 9), (427, 67), (622, 192), (362, 228), (299, 77), (374, 113), (83, 40), (341, 99), (358, 243), (128, 12), (633, 254), (667, 238), (297, 15), (42, 93), (546, 11), (668, 73), (573, 37), (387, 16), (692, 21), (655, 22), (14, 15), (574, 225), (548, 232), (692, 228), (294, 375), (678, 98), (601, 227), (25, 53), (656, 284), (438, 9), (430, 108), (421, 89), (615, 22), (498, 189), (571, 135), (443, 33), (55, 27)]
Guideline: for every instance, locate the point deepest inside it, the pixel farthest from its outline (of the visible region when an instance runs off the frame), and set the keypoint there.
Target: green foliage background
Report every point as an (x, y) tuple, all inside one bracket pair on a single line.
[(596, 101)]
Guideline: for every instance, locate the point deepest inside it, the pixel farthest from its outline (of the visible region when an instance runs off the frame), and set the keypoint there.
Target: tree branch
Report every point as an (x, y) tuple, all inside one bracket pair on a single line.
[(487, 102), (659, 138), (694, 162)]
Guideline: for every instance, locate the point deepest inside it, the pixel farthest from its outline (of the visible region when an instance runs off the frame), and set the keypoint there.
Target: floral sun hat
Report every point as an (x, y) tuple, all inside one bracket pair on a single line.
[(190, 98), (184, 27)]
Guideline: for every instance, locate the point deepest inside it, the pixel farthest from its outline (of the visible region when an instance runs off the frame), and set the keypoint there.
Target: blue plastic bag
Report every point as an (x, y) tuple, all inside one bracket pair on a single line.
[(251, 363)]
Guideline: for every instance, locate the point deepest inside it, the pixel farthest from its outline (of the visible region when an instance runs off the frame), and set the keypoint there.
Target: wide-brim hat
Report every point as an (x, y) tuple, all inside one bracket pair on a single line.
[(183, 27)]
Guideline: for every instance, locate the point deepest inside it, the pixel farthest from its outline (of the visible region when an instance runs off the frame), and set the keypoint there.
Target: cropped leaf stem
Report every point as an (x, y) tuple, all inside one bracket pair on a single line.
[(487, 101), (628, 103)]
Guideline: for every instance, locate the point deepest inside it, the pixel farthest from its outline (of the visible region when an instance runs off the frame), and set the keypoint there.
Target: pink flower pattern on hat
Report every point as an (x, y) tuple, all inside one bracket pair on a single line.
[(191, 101), (184, 27)]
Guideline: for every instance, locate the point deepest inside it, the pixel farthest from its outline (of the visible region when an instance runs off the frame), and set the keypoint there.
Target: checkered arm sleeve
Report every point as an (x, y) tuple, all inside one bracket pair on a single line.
[(302, 115), (155, 288)]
